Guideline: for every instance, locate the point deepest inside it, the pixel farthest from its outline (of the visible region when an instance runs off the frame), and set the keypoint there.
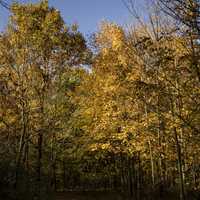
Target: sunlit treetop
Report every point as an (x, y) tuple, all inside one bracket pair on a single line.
[(40, 27)]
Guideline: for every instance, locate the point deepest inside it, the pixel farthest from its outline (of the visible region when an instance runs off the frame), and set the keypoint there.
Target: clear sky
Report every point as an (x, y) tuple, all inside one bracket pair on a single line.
[(86, 13)]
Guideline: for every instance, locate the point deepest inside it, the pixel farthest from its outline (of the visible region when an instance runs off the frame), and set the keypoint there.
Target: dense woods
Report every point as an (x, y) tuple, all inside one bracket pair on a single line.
[(120, 112)]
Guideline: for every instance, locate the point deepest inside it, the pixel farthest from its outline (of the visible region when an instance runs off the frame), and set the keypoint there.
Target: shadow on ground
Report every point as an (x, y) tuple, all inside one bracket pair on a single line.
[(88, 196)]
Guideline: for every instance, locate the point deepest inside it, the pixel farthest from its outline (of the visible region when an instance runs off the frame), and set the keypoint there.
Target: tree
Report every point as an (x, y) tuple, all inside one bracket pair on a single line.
[(36, 50)]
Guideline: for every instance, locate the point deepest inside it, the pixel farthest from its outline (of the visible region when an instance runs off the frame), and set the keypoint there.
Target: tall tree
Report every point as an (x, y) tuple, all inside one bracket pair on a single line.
[(36, 49)]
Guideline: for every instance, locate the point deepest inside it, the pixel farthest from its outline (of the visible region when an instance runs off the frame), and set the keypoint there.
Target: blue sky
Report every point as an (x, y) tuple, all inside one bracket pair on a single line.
[(86, 13)]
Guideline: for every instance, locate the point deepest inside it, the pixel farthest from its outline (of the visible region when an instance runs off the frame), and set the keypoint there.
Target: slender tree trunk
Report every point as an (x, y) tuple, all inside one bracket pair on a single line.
[(64, 175), (138, 177), (21, 146), (53, 163), (179, 157), (39, 164), (26, 164), (130, 176), (182, 191), (152, 164), (40, 147), (54, 175), (175, 108), (150, 150)]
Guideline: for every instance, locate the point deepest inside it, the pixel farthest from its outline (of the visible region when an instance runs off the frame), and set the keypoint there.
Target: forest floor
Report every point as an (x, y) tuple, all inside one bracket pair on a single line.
[(88, 196), (103, 195)]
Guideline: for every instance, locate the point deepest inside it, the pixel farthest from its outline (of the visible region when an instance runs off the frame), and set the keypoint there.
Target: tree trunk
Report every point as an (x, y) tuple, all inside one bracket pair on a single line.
[(39, 164), (178, 147), (21, 146)]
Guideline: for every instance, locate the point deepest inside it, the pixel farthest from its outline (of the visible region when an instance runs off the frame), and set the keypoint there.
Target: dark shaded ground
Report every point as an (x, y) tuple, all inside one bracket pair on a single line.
[(101, 195), (88, 196)]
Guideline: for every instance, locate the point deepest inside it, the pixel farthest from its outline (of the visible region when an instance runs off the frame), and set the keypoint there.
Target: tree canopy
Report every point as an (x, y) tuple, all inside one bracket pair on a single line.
[(122, 114)]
